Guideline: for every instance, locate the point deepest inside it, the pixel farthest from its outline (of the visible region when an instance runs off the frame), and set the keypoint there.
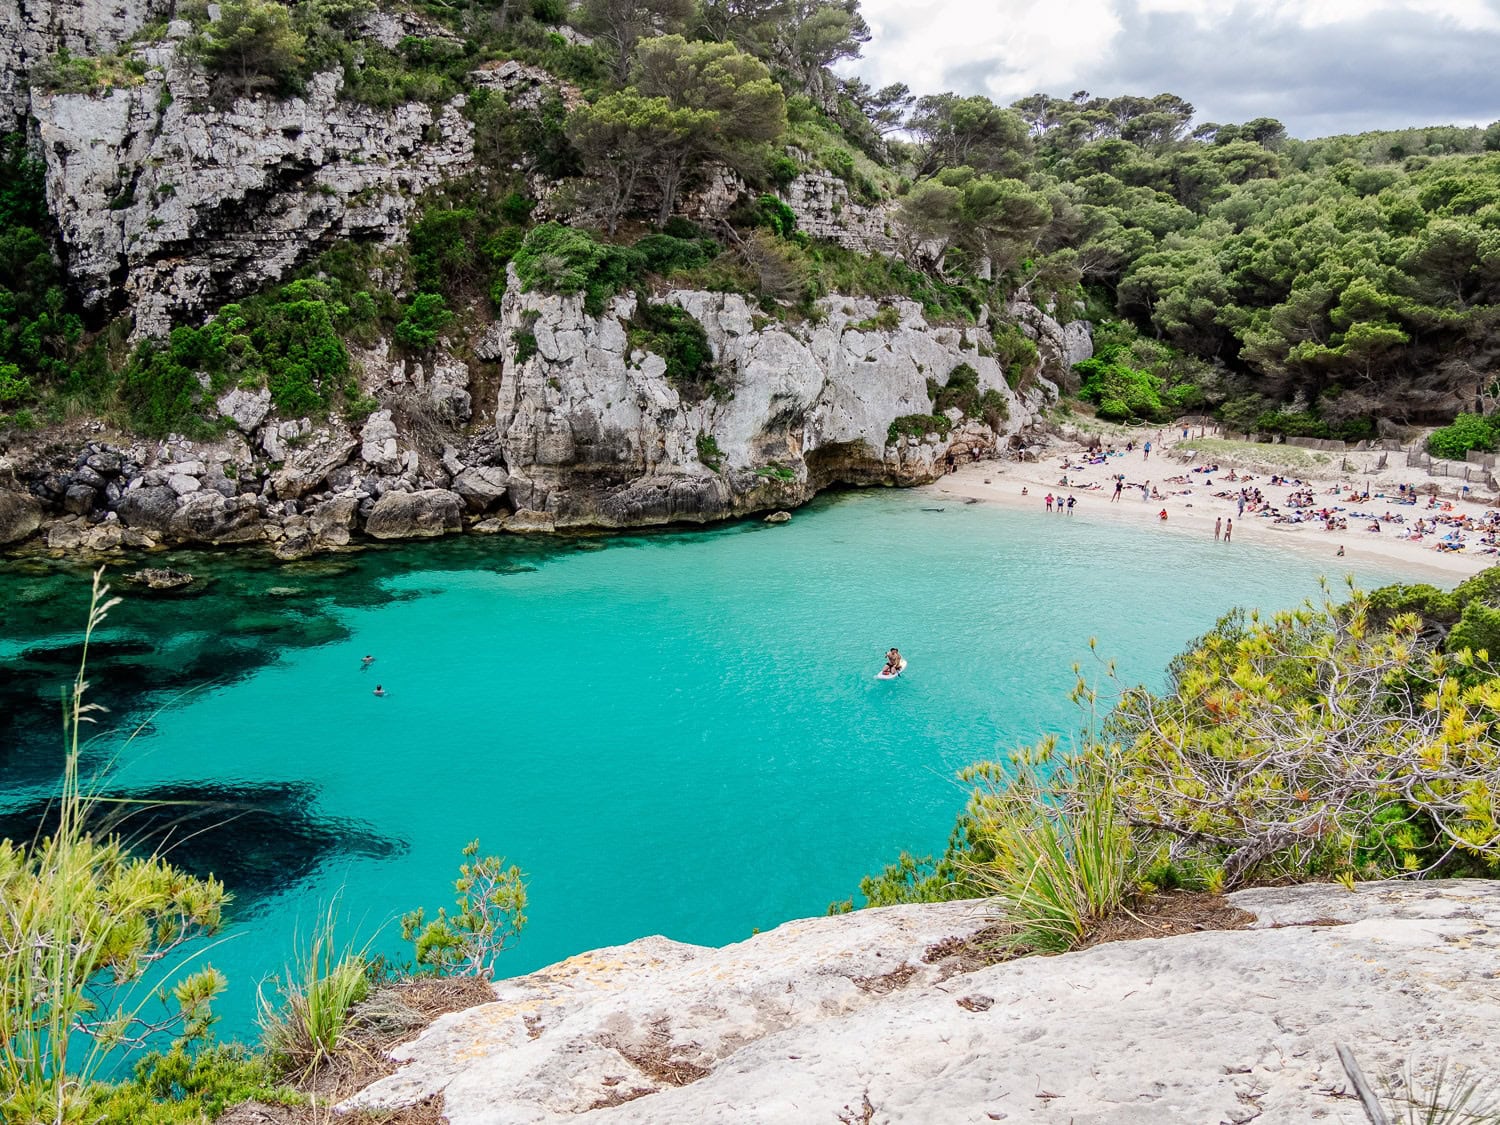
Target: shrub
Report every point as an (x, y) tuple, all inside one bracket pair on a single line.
[(917, 426), (776, 215), (712, 456), (558, 259), (1466, 433), (1015, 352), (674, 334), (665, 254), (176, 1088), (1292, 423), (304, 1023), (1057, 866), (14, 387), (491, 902), (423, 319), (84, 922), (888, 319), (1120, 392)]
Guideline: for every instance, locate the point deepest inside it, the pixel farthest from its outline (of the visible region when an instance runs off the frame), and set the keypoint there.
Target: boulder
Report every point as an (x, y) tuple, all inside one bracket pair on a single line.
[(80, 499), (207, 517), (416, 515), (247, 409), (20, 515), (528, 522), (378, 443), (482, 486), (331, 521), (150, 508), (308, 468), (779, 517)]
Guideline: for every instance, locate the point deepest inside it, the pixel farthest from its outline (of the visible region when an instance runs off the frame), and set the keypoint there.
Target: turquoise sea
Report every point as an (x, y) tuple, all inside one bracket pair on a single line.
[(675, 733)]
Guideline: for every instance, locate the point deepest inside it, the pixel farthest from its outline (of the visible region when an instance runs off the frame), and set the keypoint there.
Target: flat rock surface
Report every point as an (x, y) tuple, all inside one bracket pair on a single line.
[(859, 1018)]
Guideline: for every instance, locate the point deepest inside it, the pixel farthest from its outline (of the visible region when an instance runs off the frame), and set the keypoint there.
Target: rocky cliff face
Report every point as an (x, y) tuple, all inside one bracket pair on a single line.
[(588, 432), (594, 434), (880, 1016), (34, 30), (170, 206)]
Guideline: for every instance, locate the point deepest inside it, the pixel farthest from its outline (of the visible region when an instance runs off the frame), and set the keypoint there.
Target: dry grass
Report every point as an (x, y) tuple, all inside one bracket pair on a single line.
[(393, 1013), (1168, 915)]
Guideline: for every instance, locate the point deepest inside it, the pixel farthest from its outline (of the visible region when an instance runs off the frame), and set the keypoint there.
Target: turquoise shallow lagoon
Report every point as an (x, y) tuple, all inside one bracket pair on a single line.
[(675, 733)]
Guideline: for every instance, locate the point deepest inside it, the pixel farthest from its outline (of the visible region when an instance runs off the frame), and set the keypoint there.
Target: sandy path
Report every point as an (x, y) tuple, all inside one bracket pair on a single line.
[(1001, 482)]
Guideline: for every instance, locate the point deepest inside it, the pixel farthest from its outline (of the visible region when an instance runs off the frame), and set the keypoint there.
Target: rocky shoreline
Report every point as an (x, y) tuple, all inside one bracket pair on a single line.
[(588, 433)]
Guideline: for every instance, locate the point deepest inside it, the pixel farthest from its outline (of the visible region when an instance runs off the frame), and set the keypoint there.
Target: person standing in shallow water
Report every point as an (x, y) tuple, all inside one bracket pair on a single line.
[(1218, 527)]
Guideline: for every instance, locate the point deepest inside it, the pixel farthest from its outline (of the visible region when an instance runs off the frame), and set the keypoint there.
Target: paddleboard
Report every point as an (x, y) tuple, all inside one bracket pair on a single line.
[(884, 675)]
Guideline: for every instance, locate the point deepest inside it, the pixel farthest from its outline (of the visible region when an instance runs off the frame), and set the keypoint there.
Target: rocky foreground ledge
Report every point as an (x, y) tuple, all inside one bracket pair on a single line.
[(881, 1016)]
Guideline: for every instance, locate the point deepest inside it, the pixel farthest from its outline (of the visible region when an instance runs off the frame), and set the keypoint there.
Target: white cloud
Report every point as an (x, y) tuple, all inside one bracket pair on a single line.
[(1026, 46), (1319, 65)]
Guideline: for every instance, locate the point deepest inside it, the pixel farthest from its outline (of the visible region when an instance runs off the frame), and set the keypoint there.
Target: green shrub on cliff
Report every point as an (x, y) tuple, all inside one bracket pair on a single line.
[(673, 333)]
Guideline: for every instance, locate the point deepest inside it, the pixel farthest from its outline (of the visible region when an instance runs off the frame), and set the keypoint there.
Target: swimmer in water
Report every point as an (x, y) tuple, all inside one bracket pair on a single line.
[(379, 690), (367, 661)]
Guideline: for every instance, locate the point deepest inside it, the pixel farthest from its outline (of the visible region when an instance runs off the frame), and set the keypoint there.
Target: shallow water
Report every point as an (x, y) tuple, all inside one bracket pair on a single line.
[(674, 733)]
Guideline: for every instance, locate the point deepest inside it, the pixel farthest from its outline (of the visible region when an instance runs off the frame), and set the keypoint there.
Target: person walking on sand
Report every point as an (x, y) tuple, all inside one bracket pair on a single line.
[(1228, 529), (1119, 487), (1241, 511), (1148, 452), (1218, 527)]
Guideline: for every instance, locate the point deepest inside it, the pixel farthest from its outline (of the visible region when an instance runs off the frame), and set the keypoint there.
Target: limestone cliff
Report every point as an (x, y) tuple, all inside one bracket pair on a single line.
[(168, 206), (880, 1016), (588, 432), (593, 433)]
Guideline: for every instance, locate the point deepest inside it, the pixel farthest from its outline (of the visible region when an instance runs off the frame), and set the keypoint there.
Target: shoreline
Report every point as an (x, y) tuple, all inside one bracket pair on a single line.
[(1000, 483)]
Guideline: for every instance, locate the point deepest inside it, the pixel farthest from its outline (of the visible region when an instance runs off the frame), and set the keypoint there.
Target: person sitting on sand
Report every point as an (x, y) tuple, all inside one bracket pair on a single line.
[(1161, 515), (379, 690)]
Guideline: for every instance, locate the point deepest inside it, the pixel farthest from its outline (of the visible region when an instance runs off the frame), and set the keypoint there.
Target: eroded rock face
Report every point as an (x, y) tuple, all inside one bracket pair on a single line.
[(594, 434), (175, 207), (415, 515), (20, 516), (805, 1022)]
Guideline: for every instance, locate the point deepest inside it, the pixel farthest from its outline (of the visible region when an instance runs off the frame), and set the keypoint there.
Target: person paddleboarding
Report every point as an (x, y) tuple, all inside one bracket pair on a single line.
[(895, 664)]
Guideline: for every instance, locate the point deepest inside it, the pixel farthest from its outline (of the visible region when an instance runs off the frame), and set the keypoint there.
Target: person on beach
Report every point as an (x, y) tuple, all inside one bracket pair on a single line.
[(1071, 502), (1218, 527), (1148, 452), (1228, 529), (1340, 553), (1161, 515), (1049, 502), (1119, 487), (1241, 511), (379, 690)]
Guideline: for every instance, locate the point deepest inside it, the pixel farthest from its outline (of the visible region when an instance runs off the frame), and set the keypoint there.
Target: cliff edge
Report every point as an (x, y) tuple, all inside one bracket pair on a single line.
[(883, 1016)]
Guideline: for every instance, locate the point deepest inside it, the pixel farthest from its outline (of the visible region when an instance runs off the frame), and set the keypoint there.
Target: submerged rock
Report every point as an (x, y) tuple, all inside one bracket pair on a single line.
[(161, 579), (887, 1008)]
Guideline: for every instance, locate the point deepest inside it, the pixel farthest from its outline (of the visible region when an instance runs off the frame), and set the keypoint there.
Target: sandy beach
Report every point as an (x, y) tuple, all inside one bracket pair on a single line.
[(1192, 507)]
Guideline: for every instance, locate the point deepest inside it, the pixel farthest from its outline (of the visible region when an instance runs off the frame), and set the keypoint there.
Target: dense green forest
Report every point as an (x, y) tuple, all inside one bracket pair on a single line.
[(1318, 288)]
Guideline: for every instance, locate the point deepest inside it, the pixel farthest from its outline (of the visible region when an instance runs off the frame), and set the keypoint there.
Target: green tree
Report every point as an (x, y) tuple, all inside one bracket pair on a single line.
[(253, 45), (733, 107), (621, 24), (622, 137)]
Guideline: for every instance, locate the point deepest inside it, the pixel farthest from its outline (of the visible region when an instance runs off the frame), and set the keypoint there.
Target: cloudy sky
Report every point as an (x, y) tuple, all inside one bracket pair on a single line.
[(1319, 66)]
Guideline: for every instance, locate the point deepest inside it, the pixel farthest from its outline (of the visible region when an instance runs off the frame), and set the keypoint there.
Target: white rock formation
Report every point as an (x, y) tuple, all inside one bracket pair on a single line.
[(193, 205), (805, 1023), (824, 209), (593, 433)]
